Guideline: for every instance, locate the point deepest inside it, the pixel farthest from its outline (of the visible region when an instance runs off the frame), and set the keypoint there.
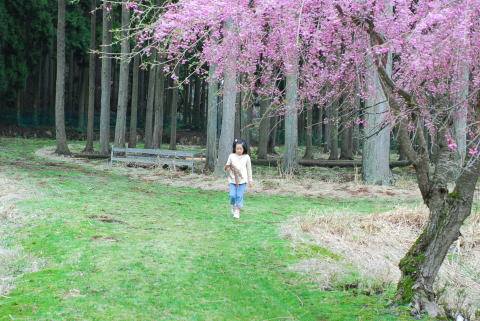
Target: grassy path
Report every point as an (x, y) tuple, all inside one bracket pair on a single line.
[(120, 249)]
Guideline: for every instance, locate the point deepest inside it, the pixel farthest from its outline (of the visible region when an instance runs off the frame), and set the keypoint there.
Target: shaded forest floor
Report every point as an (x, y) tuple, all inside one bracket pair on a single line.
[(90, 243)]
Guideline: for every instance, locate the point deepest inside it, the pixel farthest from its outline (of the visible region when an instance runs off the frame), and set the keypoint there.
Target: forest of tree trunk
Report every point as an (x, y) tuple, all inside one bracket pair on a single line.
[(73, 82)]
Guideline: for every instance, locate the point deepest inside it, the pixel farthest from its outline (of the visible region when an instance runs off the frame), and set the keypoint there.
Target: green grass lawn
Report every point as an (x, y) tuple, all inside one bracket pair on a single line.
[(120, 249)]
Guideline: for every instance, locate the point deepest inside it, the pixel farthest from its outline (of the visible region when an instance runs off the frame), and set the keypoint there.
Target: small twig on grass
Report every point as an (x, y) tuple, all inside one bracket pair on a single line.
[(301, 302)]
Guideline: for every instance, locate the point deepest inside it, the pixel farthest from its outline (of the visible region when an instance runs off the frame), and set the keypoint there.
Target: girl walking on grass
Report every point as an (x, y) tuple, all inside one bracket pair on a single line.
[(239, 173)]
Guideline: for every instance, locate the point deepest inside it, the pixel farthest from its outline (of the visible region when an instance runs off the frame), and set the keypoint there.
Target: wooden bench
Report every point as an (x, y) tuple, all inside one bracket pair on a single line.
[(154, 156)]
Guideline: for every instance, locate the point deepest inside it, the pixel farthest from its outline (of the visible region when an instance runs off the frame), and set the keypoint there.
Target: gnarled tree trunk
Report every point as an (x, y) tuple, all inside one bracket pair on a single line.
[(448, 211)]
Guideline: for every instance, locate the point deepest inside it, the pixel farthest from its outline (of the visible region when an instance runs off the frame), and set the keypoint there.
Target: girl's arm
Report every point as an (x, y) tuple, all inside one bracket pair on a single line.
[(249, 172), (229, 162)]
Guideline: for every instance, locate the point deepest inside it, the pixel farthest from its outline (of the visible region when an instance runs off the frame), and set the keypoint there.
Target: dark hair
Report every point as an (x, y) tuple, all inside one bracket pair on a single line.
[(240, 142)]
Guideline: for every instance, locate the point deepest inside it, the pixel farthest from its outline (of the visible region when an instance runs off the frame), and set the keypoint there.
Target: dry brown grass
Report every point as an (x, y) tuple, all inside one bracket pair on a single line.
[(374, 245), (266, 182)]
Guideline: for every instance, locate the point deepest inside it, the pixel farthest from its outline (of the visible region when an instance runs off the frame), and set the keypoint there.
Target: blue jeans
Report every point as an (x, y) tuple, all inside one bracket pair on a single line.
[(236, 195)]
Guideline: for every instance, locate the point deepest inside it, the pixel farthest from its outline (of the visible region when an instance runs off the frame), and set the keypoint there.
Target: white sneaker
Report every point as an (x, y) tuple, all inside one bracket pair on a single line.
[(236, 213), (233, 211)]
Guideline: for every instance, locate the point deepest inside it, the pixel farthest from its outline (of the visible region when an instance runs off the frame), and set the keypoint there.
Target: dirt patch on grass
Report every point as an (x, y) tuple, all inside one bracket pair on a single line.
[(106, 219), (13, 261), (309, 185), (371, 247)]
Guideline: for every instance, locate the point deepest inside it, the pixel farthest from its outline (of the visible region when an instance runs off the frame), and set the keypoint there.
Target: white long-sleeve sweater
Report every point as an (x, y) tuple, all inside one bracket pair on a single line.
[(244, 165)]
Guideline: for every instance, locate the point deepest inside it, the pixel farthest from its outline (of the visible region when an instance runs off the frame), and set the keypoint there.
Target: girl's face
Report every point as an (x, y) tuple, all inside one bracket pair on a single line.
[(239, 149)]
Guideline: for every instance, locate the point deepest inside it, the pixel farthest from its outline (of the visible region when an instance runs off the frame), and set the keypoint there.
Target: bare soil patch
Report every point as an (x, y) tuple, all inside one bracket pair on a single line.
[(310, 186)]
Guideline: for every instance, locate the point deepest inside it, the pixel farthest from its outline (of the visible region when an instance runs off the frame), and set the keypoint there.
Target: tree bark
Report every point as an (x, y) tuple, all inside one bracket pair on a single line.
[(173, 113), (212, 122), (120, 125), (238, 115), (356, 129), (460, 119), (318, 127), (203, 108), (38, 91), (53, 81), (70, 73), (106, 83), (61, 135), (333, 137), (328, 131), (159, 108), (83, 99), (272, 140), (196, 104), (309, 135), (448, 211), (228, 109), (290, 160), (376, 147), (91, 78), (264, 128), (45, 83), (132, 137), (188, 108), (346, 150), (149, 111), (247, 127)]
